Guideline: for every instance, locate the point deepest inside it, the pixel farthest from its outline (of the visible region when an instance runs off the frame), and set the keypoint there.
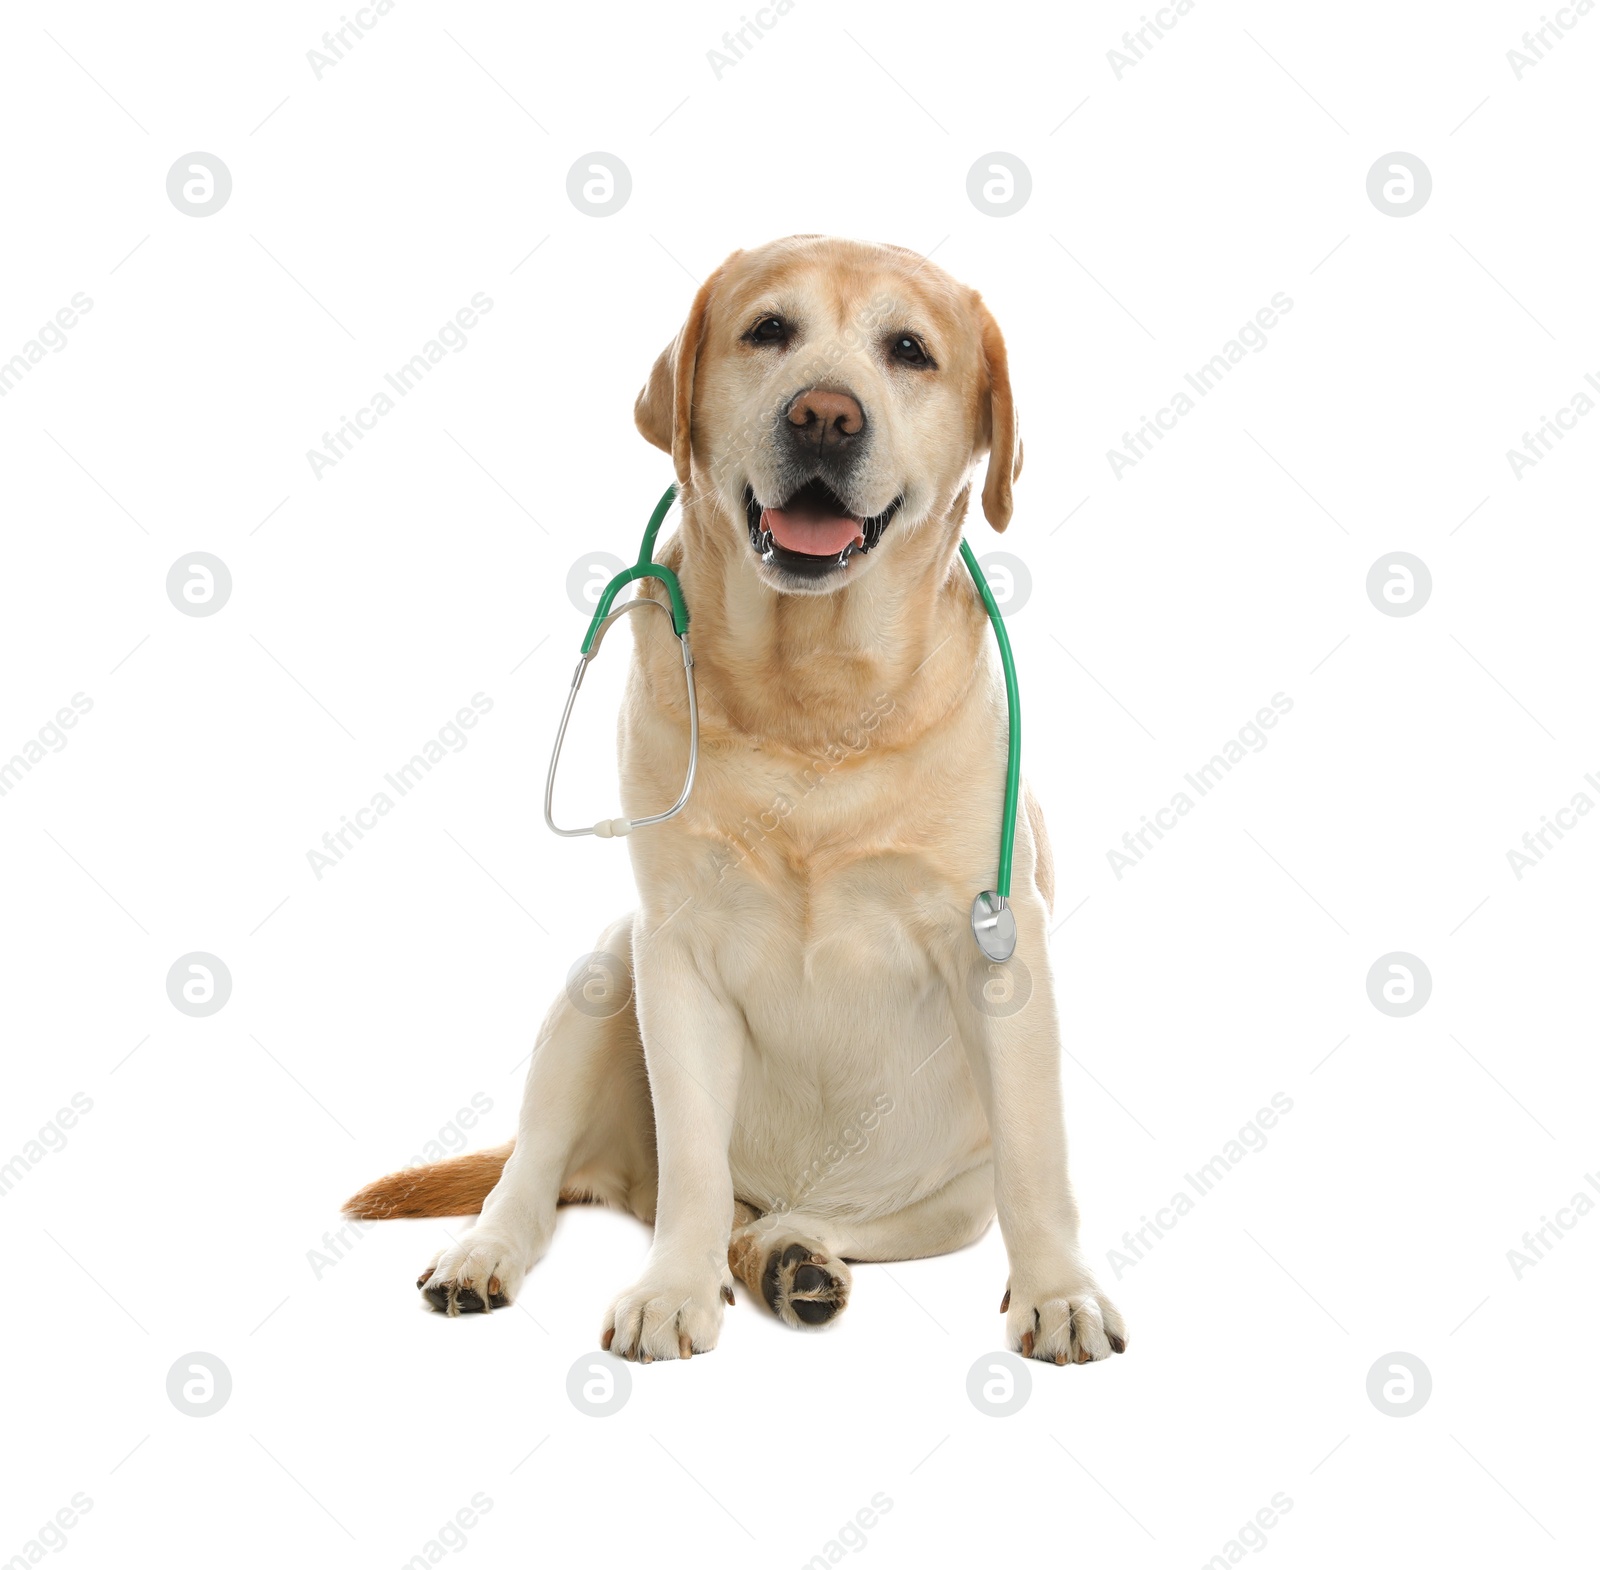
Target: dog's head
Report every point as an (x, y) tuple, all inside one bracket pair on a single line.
[(833, 397)]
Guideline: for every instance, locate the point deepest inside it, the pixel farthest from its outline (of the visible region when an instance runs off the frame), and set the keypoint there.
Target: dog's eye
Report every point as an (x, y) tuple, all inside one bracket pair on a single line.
[(908, 351), (770, 329)]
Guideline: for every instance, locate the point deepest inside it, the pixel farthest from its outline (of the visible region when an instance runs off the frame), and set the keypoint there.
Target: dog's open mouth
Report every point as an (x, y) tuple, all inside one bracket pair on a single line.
[(813, 533)]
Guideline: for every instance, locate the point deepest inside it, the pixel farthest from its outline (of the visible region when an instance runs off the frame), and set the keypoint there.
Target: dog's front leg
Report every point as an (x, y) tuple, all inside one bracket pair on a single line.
[(694, 1047), (1054, 1309)]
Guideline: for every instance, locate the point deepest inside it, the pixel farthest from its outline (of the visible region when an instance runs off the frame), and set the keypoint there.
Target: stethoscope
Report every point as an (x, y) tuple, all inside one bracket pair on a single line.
[(993, 924)]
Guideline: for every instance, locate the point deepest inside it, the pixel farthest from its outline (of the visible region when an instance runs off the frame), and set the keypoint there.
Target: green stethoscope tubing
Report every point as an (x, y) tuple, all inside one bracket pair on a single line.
[(1008, 813), (645, 568), (986, 912)]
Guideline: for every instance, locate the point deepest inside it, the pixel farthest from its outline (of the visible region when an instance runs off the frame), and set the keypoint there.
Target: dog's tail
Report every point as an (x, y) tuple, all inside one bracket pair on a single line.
[(457, 1187)]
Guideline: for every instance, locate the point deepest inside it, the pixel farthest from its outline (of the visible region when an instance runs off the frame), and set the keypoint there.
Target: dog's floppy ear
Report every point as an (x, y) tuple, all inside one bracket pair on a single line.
[(1000, 418), (662, 409)]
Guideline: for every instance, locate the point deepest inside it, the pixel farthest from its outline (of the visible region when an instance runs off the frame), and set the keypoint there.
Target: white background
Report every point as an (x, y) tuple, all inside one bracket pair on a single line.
[(1168, 606)]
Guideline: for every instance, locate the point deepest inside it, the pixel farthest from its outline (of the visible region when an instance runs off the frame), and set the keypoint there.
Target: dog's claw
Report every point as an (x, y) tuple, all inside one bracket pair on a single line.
[(1027, 1343), (1005, 1302), (1117, 1343), (685, 1349), (425, 1278), (727, 1294), (607, 1339)]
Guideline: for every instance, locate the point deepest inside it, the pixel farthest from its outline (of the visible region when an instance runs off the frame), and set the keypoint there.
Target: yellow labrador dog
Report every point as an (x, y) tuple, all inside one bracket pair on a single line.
[(806, 1060)]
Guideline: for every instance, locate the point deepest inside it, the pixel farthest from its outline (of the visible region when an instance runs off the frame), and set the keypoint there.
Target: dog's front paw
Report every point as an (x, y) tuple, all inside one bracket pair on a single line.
[(477, 1274), (666, 1313), (1069, 1320)]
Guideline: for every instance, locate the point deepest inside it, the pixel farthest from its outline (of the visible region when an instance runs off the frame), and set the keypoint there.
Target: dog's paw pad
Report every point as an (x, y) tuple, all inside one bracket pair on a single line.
[(804, 1285)]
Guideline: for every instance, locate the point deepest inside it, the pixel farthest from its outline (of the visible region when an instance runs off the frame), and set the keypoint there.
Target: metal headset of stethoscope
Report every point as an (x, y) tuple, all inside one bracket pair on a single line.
[(993, 924)]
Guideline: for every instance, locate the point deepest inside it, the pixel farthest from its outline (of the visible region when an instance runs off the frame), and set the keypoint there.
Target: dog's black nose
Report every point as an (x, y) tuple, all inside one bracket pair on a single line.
[(823, 421)]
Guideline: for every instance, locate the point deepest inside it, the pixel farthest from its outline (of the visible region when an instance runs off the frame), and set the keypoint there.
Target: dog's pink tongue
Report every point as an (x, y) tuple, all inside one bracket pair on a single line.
[(810, 533)]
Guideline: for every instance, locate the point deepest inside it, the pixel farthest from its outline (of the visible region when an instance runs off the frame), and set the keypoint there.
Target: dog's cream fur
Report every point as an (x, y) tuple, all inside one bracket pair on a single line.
[(817, 1064)]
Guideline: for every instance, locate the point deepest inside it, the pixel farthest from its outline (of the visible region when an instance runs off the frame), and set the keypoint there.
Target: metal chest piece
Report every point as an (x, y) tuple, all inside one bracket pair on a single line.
[(994, 926)]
